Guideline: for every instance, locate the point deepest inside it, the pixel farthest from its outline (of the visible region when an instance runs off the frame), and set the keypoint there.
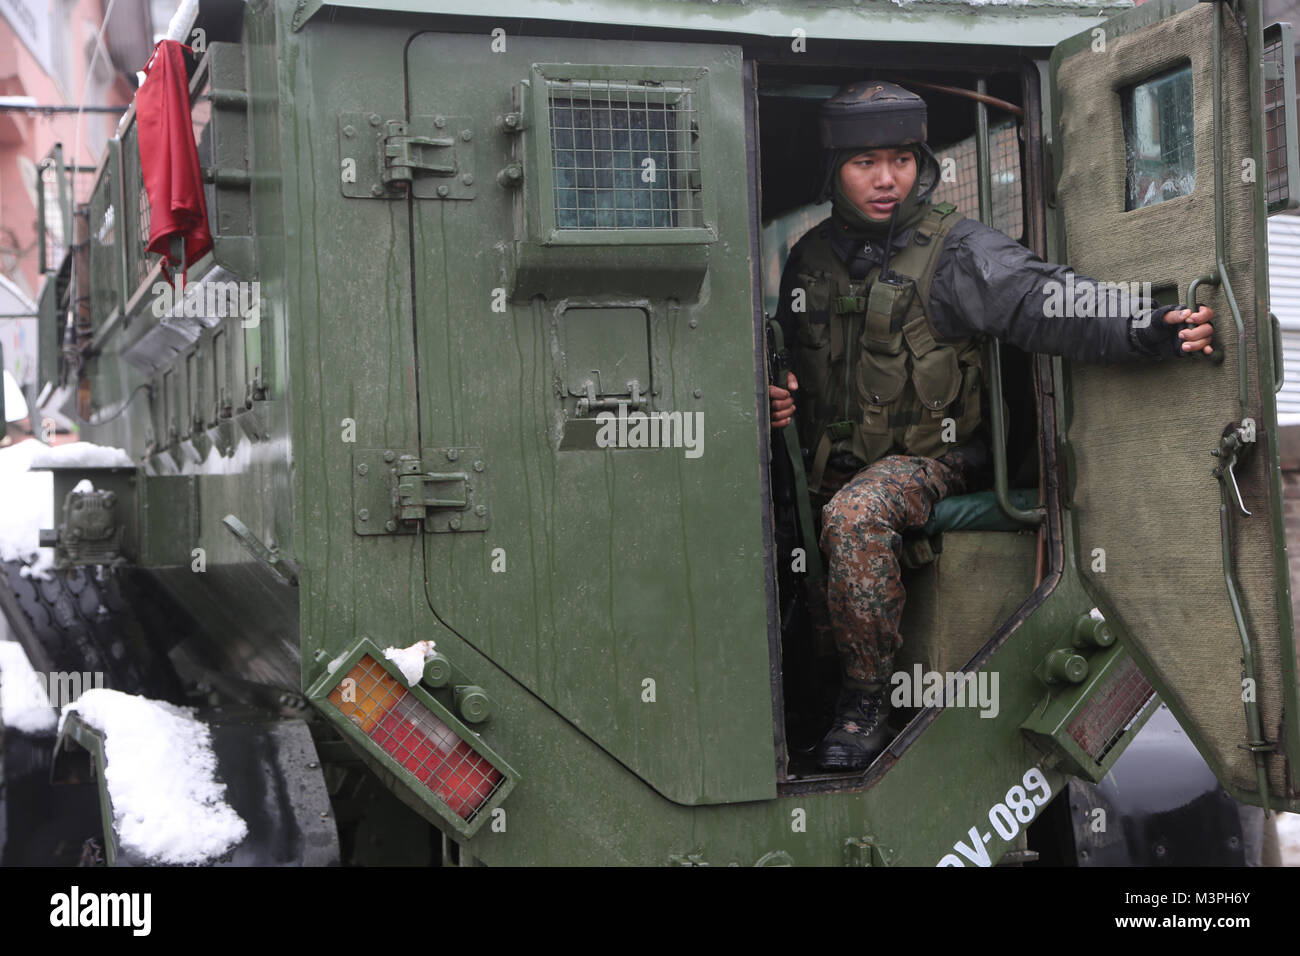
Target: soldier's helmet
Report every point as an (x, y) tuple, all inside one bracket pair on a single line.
[(874, 114)]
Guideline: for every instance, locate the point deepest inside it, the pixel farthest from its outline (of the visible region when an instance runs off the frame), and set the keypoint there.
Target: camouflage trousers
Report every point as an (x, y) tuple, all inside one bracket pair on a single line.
[(862, 539)]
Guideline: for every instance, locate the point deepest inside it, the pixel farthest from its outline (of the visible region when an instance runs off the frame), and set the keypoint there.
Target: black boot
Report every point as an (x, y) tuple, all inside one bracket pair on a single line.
[(860, 732)]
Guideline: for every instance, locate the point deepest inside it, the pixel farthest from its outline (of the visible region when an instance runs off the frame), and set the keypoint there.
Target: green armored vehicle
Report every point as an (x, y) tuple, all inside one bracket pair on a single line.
[(453, 506)]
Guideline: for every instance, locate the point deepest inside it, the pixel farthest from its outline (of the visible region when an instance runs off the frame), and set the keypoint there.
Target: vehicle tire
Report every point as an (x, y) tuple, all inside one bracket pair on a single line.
[(79, 620)]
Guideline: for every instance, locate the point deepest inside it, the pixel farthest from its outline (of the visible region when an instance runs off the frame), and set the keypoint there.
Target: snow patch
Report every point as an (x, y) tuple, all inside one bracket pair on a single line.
[(29, 498), (410, 660), (24, 704), (82, 454), (167, 805)]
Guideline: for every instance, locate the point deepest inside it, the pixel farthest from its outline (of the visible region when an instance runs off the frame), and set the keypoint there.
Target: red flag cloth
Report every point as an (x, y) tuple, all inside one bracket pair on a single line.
[(169, 159)]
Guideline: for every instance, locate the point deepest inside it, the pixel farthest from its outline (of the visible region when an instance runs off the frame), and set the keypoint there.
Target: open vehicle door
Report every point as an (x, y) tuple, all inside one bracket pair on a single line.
[(1173, 468)]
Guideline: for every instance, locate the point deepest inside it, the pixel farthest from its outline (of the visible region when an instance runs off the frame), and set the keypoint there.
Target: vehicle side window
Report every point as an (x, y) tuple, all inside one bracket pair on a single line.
[(1158, 119)]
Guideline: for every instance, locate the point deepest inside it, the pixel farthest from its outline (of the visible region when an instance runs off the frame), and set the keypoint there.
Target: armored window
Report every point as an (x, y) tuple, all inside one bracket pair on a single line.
[(1157, 117), (623, 157), (618, 153)]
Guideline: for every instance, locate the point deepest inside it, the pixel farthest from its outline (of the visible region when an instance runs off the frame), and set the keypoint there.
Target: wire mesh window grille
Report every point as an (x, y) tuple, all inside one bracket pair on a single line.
[(144, 258), (624, 155), (959, 178), (1276, 186), (103, 248), (1158, 139), (136, 212)]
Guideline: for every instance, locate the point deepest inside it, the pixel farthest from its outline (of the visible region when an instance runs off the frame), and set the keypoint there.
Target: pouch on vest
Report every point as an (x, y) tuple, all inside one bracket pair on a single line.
[(816, 353), (884, 301)]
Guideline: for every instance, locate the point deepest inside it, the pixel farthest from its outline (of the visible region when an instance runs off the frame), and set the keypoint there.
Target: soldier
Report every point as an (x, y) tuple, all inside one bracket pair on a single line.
[(884, 305)]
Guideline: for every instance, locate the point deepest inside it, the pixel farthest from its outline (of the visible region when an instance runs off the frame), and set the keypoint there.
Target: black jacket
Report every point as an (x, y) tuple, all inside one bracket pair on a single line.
[(987, 283)]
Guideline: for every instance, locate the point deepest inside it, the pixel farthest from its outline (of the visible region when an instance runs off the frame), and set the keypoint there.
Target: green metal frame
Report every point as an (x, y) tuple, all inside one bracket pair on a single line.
[(1282, 32), (1051, 719), (88, 738)]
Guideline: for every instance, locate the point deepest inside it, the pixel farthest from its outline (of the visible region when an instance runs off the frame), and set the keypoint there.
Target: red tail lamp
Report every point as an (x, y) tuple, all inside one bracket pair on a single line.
[(438, 758)]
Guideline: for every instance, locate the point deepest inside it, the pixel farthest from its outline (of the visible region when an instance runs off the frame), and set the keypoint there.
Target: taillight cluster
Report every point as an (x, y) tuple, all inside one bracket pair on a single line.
[(414, 736)]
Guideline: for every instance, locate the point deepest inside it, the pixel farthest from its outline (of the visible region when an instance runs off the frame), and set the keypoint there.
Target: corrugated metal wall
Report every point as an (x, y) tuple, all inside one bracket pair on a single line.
[(1284, 291)]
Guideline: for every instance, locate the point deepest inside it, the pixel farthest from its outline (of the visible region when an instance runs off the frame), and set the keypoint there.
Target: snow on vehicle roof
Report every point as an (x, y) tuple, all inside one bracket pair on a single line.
[(82, 454), (167, 804), (24, 704)]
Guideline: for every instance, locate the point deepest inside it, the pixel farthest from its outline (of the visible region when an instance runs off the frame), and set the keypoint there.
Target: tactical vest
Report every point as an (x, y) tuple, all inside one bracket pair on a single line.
[(874, 376)]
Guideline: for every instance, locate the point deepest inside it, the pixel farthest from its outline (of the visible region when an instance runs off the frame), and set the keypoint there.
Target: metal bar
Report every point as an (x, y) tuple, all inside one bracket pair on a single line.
[(36, 108), (1220, 266), (1254, 735), (121, 233), (984, 181), (40, 216)]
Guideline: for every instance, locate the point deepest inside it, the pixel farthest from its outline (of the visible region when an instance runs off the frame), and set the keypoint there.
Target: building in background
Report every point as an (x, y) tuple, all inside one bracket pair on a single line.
[(56, 56)]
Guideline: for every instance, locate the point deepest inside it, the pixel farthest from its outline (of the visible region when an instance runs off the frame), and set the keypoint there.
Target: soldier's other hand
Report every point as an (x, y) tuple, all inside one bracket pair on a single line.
[(783, 401), (1197, 338), (1173, 330)]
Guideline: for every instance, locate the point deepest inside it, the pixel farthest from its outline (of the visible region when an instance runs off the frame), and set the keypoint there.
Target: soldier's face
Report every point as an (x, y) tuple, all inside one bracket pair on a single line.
[(876, 180)]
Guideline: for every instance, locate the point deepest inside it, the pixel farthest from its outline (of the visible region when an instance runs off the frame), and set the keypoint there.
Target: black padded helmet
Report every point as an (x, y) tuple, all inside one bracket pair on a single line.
[(872, 113)]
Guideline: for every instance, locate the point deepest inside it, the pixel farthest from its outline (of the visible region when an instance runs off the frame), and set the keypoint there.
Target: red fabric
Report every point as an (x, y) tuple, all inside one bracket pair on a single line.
[(169, 159)]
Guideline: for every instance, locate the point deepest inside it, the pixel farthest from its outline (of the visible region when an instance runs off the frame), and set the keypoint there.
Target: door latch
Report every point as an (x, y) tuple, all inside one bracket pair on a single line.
[(401, 492), (429, 157)]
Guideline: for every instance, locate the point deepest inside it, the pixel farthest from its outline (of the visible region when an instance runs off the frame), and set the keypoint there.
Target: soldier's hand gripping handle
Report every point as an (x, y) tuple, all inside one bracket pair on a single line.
[(782, 400), (1174, 330), (779, 375)]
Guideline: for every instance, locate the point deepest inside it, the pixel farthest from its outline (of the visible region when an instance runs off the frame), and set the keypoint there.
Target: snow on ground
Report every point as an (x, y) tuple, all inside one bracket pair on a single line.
[(1288, 838), (410, 660), (24, 705), (81, 454), (167, 804)]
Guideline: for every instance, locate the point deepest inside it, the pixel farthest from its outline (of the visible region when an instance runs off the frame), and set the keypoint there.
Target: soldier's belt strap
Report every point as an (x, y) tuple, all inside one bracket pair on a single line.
[(843, 304), (803, 505), (832, 433)]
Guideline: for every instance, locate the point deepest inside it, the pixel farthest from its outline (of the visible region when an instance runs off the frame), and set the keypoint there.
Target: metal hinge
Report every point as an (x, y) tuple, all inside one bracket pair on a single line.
[(430, 156), (400, 492)]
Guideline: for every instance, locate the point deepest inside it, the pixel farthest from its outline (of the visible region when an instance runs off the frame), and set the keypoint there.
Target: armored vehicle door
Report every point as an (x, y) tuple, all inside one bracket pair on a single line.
[(589, 471), (1173, 482)]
